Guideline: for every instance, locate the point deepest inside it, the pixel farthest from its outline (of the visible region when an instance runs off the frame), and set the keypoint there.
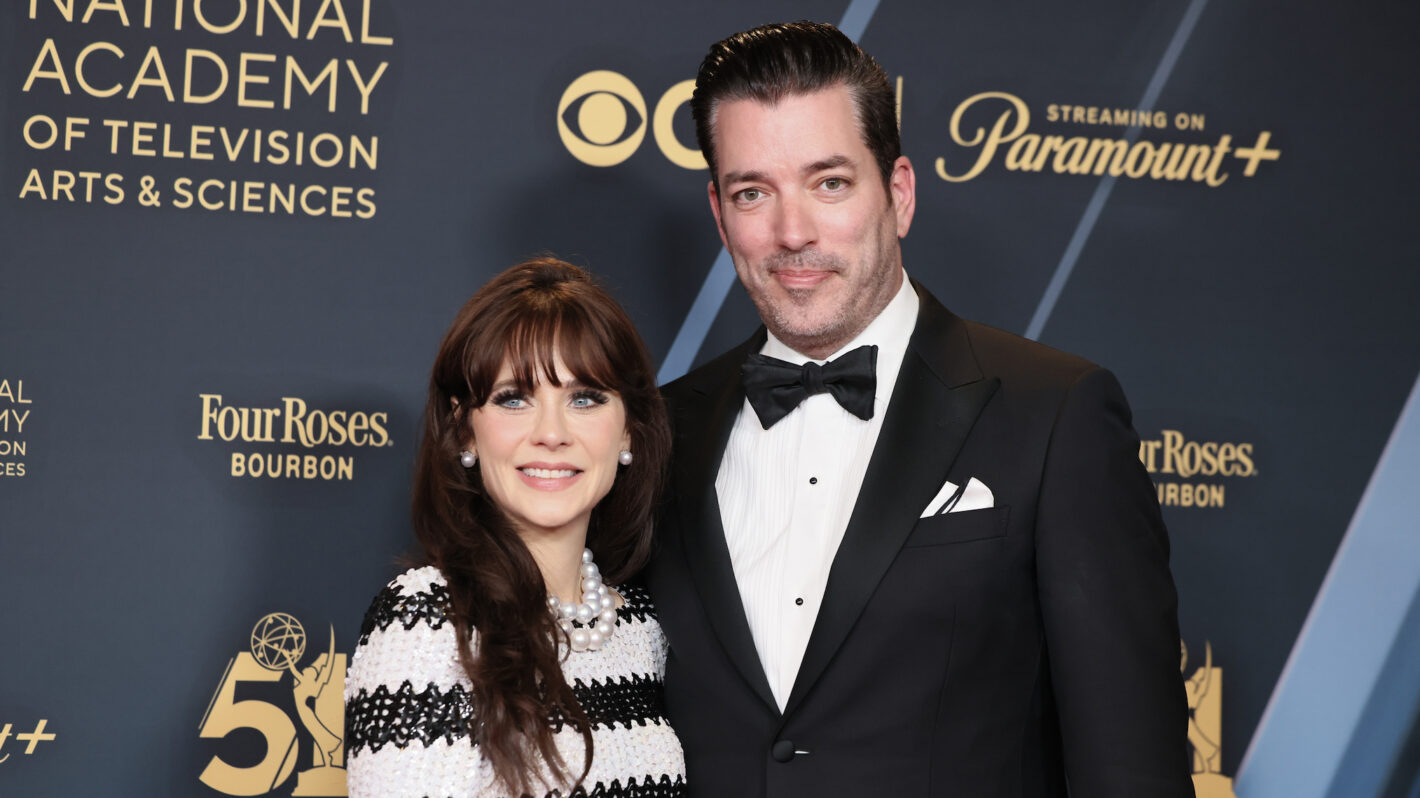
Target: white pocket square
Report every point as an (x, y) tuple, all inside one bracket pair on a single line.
[(954, 499)]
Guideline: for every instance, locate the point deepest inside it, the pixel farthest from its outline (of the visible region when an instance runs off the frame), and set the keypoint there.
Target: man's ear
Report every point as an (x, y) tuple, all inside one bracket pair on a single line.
[(902, 184), (714, 194)]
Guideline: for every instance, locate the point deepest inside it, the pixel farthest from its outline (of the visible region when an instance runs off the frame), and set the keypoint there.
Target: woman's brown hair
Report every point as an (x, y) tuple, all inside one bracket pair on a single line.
[(529, 316)]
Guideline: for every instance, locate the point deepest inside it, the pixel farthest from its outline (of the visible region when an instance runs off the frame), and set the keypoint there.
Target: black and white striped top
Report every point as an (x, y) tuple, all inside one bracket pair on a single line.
[(408, 708)]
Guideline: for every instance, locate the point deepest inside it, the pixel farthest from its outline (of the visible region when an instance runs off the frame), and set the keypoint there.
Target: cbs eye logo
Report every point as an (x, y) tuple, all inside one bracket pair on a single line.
[(602, 120)]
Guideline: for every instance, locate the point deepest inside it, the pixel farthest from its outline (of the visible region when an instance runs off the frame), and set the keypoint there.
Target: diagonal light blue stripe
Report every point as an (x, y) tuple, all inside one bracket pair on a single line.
[(856, 18), (697, 322), (1376, 756), (1091, 215), (1357, 621), (717, 283)]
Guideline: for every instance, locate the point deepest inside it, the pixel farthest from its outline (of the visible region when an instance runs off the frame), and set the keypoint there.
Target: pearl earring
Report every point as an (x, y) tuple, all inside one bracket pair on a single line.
[(468, 458), (625, 457)]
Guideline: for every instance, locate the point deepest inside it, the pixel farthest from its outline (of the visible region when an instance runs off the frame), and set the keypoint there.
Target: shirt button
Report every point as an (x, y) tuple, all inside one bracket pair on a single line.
[(813, 480), (799, 602)]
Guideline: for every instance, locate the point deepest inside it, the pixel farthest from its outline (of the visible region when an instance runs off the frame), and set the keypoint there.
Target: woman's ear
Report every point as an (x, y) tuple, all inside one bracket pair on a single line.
[(465, 440)]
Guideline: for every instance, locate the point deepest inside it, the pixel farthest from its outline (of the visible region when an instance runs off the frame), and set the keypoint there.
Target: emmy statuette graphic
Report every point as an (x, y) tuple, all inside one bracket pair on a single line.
[(278, 641), (1205, 722)]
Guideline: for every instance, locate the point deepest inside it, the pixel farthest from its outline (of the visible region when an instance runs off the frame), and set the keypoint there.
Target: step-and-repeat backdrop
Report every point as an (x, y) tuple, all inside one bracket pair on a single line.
[(232, 232)]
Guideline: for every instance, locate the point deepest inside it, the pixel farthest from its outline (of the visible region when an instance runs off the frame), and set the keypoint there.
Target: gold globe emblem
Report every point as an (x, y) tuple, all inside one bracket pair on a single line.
[(277, 642)]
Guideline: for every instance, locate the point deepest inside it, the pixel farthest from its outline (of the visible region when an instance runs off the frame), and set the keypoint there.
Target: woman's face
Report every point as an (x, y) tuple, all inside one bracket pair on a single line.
[(548, 456)]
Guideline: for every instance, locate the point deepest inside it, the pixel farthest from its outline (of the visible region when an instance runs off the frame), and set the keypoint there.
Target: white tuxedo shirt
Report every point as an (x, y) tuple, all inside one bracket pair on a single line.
[(786, 495)]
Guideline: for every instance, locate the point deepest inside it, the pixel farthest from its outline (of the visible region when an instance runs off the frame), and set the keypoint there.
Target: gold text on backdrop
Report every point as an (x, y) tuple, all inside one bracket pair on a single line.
[(31, 739), (1028, 151), (1173, 454), (285, 14), (110, 70), (15, 408), (293, 422)]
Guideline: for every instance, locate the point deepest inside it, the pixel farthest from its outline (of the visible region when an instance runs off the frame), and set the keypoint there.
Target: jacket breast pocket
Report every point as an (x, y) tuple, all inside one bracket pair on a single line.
[(963, 527)]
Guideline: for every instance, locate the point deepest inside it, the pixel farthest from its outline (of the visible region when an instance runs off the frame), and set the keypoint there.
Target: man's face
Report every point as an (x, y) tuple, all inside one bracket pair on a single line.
[(803, 213)]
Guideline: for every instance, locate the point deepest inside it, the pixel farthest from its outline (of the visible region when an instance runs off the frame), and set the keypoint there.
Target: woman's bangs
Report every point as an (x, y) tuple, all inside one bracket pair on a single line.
[(586, 352), (535, 343)]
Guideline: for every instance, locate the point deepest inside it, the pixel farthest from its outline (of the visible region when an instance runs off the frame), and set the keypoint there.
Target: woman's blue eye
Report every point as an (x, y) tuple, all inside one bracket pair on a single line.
[(509, 399), (587, 399)]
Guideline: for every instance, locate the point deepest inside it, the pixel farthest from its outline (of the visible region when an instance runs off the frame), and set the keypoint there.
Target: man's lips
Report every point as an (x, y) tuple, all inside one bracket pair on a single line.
[(800, 278)]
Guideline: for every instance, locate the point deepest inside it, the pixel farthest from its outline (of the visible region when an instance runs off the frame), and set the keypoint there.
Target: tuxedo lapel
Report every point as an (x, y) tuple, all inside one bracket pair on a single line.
[(938, 395), (703, 426)]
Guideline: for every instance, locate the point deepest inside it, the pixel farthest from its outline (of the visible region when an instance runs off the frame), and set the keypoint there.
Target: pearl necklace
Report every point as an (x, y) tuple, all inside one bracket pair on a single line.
[(589, 624)]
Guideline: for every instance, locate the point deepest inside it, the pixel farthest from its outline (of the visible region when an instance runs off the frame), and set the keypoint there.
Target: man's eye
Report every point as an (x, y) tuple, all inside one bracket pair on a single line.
[(749, 195), (835, 183)]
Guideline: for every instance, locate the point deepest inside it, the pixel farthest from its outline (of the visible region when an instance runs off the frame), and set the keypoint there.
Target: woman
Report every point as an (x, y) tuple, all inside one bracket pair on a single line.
[(506, 665)]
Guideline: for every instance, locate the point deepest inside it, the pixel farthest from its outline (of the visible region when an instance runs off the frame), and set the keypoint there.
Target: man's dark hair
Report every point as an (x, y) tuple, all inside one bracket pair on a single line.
[(790, 58)]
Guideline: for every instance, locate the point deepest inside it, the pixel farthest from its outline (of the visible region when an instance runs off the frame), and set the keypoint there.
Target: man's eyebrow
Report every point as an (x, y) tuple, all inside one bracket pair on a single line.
[(750, 176), (831, 162), (755, 176)]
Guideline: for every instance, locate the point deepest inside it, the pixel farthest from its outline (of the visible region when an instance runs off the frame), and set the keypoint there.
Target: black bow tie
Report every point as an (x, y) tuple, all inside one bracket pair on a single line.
[(775, 387)]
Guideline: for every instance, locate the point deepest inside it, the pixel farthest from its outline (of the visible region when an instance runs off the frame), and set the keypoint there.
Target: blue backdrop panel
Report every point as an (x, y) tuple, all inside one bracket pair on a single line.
[(232, 233)]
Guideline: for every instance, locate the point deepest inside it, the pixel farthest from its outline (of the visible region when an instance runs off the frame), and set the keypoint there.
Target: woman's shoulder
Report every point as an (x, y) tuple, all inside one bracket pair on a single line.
[(407, 702), (637, 600), (407, 640), (638, 624), (417, 596), (421, 579)]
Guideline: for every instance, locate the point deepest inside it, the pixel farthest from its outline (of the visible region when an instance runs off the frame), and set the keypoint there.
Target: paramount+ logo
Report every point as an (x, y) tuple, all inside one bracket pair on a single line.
[(292, 422), (602, 119), (1176, 150)]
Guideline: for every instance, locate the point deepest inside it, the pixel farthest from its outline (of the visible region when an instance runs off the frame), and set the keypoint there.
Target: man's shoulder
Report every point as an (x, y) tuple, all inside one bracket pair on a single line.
[(960, 345), (1009, 354), (713, 374)]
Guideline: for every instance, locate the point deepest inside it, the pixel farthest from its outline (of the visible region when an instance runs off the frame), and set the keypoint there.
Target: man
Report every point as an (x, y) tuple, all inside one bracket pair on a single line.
[(931, 566)]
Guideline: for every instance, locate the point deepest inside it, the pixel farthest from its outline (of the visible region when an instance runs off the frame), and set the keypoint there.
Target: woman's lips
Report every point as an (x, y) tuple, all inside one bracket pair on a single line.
[(548, 477)]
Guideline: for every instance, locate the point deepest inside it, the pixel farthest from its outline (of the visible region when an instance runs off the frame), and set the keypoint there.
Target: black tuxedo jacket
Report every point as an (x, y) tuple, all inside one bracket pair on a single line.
[(1008, 651)]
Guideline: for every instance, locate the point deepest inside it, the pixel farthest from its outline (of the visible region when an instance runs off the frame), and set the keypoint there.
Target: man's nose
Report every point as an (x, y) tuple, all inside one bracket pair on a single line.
[(795, 226)]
